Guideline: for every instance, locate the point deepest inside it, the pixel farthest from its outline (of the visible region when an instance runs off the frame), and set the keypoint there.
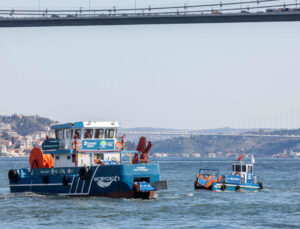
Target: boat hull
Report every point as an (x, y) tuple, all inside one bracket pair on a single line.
[(221, 187), (115, 181)]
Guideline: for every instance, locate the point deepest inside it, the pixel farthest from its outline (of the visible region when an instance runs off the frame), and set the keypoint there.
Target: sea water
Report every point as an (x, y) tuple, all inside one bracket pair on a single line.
[(276, 206)]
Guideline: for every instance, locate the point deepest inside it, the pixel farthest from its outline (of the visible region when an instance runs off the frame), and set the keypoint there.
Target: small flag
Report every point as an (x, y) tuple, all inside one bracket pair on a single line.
[(240, 157), (252, 159)]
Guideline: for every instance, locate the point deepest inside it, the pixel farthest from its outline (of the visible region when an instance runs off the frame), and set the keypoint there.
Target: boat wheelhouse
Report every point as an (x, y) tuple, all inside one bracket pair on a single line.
[(244, 171), (87, 159), (84, 143), (240, 178)]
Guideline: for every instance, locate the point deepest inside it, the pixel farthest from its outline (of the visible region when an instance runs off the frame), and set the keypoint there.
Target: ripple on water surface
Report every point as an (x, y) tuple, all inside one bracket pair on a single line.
[(277, 206)]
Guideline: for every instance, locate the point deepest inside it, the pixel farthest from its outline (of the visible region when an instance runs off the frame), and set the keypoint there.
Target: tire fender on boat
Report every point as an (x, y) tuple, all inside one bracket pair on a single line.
[(223, 187), (237, 188), (260, 185), (45, 179), (75, 145), (242, 178), (119, 145), (84, 173), (13, 175), (195, 184), (65, 180)]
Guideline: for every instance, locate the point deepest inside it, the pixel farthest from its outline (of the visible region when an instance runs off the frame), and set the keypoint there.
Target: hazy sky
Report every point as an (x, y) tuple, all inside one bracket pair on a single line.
[(177, 76)]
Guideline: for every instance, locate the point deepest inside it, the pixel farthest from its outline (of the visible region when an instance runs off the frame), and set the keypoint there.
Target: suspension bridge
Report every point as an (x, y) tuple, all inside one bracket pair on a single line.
[(191, 133), (218, 12)]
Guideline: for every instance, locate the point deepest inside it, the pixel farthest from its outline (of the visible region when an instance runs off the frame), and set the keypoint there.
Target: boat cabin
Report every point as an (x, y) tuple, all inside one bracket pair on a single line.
[(84, 144), (243, 170), (205, 173)]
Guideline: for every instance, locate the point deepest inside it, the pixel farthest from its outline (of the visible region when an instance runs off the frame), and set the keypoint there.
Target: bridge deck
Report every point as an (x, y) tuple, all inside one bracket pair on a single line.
[(160, 19)]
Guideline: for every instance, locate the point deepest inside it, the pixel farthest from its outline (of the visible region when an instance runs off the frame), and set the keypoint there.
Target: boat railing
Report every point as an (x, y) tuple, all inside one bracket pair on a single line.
[(223, 179), (24, 172), (130, 154)]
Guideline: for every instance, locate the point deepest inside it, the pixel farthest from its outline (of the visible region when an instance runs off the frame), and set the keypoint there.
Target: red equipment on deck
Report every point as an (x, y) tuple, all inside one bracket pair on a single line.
[(143, 151), (39, 160)]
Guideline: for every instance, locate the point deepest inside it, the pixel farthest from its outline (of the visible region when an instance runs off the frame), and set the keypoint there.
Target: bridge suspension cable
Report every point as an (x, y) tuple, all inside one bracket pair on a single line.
[(151, 8)]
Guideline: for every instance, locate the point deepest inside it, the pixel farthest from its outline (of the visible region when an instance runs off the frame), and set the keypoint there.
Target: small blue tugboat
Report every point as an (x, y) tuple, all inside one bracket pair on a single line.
[(87, 159), (241, 178)]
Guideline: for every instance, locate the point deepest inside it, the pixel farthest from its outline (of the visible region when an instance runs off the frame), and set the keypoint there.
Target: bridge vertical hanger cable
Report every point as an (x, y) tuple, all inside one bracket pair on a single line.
[(158, 8), (217, 8)]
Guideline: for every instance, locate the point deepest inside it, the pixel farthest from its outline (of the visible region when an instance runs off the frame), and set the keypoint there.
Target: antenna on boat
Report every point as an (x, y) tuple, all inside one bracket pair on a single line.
[(252, 159), (47, 134)]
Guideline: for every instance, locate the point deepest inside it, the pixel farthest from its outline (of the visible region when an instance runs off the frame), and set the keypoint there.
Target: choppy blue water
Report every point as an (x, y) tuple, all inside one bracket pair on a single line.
[(277, 206)]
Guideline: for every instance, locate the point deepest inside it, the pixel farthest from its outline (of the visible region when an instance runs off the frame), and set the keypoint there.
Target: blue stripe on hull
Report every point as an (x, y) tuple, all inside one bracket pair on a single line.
[(233, 187)]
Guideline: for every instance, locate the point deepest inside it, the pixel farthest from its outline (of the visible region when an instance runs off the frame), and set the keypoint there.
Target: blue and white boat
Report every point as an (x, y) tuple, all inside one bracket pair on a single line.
[(87, 159), (240, 178)]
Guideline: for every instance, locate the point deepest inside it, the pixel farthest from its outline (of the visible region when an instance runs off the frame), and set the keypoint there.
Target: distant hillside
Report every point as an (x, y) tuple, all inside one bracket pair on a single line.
[(263, 146), (25, 125), (204, 144)]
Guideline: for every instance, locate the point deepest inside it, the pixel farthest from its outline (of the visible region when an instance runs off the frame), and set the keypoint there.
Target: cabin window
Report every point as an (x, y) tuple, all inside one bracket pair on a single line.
[(68, 157), (88, 133), (56, 157), (78, 133), (68, 134), (250, 169), (244, 168), (109, 133), (73, 158), (232, 167), (238, 168), (99, 156), (99, 133), (56, 134), (59, 134)]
